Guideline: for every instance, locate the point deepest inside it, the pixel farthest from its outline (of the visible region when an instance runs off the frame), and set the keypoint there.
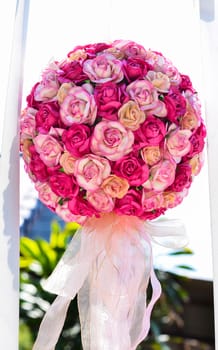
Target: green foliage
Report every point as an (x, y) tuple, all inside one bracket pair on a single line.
[(37, 261)]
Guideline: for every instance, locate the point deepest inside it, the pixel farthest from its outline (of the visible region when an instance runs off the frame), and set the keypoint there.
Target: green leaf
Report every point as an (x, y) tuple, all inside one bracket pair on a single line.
[(186, 267), (29, 248), (182, 252)]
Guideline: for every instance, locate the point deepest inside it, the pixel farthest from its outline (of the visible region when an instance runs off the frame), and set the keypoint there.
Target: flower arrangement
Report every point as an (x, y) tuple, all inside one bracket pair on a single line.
[(112, 136), (113, 127)]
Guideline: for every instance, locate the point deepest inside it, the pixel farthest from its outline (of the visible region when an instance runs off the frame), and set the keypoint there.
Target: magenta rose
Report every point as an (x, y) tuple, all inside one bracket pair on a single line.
[(133, 169), (171, 109), (80, 206), (77, 140), (31, 102), (153, 214), (103, 68), (71, 71), (130, 204), (109, 98), (134, 68), (47, 116), (36, 166), (63, 185), (78, 106), (151, 132), (197, 142), (66, 215), (186, 83), (179, 101), (90, 49), (183, 178)]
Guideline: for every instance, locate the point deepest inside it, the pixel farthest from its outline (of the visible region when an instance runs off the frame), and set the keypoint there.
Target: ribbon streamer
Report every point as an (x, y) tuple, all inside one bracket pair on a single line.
[(109, 265)]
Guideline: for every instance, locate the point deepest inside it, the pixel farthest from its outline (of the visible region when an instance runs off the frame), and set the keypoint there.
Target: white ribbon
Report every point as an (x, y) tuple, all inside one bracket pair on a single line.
[(109, 265)]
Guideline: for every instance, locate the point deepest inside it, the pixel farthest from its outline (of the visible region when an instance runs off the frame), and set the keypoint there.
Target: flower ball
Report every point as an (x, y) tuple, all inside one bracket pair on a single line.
[(113, 127)]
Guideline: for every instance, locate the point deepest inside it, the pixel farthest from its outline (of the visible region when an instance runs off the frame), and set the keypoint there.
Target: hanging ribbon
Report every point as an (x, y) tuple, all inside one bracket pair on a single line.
[(109, 265)]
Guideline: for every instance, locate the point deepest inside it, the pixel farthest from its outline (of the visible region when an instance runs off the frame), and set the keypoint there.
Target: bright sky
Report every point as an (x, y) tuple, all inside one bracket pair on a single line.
[(55, 27)]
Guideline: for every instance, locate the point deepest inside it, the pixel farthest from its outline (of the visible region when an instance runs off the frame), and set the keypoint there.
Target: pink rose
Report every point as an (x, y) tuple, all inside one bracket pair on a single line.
[(47, 89), (71, 72), (49, 149), (130, 48), (77, 140), (109, 98), (47, 116), (36, 166), (159, 80), (134, 68), (28, 123), (183, 178), (143, 93), (172, 72), (103, 68), (152, 200), (178, 143), (64, 212), (91, 170), (101, 201), (162, 175), (111, 140), (133, 169), (63, 185), (46, 195), (130, 204), (80, 206), (78, 107), (150, 133)]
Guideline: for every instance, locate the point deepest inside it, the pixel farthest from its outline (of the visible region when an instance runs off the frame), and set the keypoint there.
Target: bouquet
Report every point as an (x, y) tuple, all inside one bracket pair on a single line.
[(112, 136)]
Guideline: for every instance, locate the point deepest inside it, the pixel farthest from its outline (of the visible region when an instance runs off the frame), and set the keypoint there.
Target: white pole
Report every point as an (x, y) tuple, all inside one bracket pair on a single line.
[(9, 187), (209, 30)]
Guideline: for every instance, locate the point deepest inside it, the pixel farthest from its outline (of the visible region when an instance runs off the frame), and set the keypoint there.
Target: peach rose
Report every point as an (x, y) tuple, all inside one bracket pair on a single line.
[(49, 149), (78, 107), (67, 161), (63, 91), (111, 140), (172, 199), (25, 148), (91, 170), (103, 68), (196, 163), (100, 200), (115, 186), (159, 80), (77, 55), (178, 143), (151, 154), (189, 120), (130, 116)]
